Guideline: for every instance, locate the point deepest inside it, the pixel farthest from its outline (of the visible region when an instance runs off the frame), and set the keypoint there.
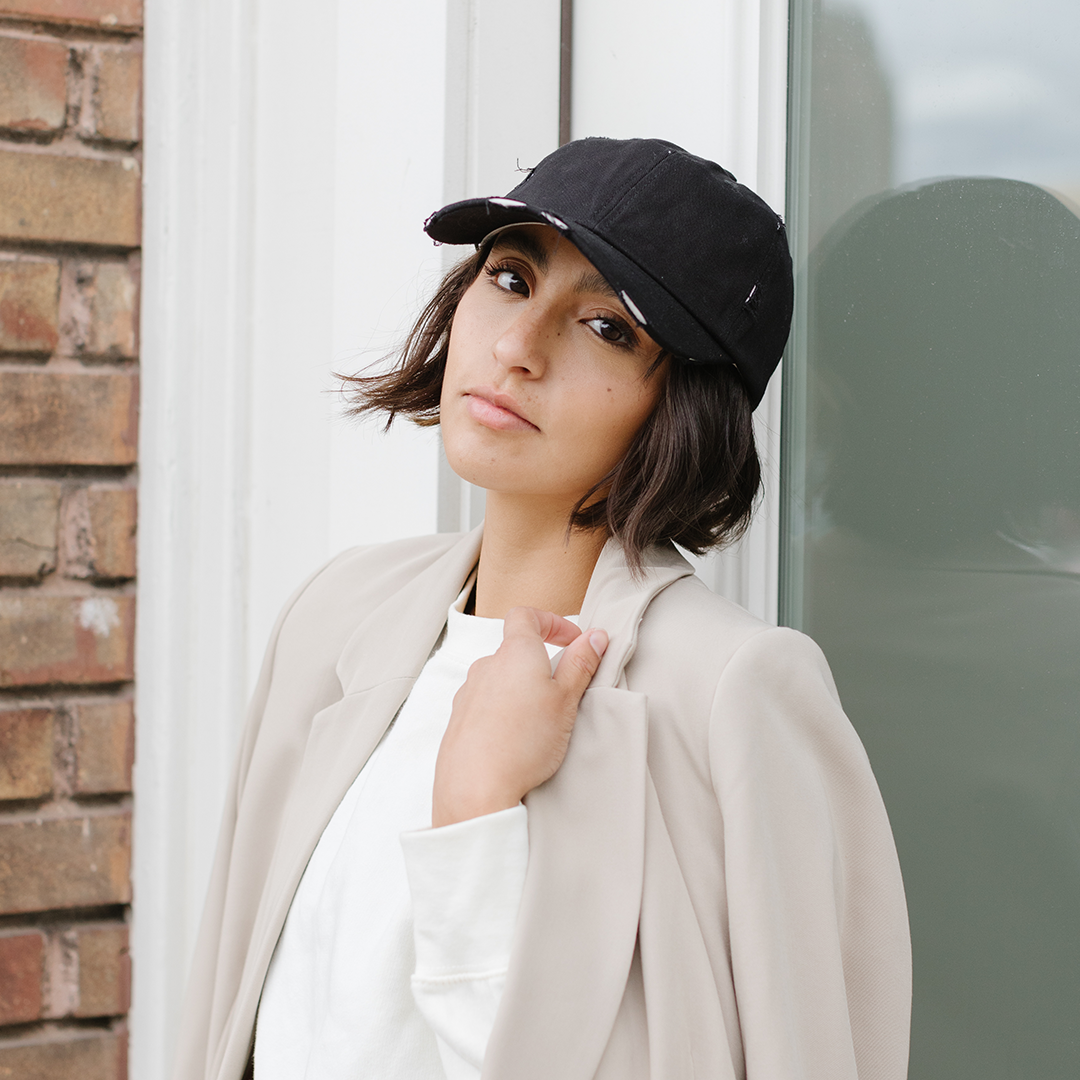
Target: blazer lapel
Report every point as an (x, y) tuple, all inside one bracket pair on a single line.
[(377, 668), (396, 638), (577, 925), (616, 602), (579, 911)]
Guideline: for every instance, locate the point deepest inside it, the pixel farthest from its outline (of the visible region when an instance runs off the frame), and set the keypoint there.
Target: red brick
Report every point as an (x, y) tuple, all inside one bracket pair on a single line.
[(53, 863), (68, 418), (67, 1055), (29, 511), (98, 533), (65, 199), (123, 14), (104, 971), (29, 305), (118, 93), (99, 304), (33, 84), (26, 753), (105, 747), (76, 640), (21, 957)]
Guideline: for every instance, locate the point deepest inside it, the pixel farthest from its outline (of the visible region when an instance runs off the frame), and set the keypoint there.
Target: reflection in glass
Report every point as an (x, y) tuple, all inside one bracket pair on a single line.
[(932, 487), (851, 152)]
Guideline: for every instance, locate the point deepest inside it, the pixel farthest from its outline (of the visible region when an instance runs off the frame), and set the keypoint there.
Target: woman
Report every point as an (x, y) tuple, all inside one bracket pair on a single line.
[(666, 857)]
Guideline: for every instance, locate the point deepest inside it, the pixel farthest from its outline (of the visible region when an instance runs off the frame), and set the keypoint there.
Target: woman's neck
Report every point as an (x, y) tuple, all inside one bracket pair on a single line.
[(527, 559)]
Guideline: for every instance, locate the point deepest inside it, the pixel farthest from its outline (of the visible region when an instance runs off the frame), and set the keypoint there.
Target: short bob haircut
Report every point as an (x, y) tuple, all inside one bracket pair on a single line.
[(691, 474)]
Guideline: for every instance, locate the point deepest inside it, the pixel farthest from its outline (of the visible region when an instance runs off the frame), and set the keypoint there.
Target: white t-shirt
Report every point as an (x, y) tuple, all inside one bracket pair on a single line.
[(393, 957)]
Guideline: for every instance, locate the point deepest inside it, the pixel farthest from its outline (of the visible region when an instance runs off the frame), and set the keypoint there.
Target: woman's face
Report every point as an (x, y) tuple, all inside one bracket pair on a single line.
[(546, 379)]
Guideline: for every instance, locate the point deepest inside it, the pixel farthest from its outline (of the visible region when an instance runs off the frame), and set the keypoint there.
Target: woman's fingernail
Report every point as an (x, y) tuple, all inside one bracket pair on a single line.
[(599, 641)]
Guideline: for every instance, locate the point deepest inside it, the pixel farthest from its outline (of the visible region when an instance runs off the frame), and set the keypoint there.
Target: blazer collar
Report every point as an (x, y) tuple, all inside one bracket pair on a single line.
[(396, 638), (616, 601)]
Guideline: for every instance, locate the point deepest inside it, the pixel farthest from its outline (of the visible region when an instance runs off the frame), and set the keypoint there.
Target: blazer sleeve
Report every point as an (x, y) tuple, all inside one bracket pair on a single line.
[(819, 942)]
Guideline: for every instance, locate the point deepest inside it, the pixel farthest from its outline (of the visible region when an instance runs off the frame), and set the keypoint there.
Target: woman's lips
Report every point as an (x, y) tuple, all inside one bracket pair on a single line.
[(496, 411)]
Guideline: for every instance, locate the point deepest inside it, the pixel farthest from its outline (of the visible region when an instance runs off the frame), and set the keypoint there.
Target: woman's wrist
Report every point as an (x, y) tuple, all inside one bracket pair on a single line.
[(449, 810)]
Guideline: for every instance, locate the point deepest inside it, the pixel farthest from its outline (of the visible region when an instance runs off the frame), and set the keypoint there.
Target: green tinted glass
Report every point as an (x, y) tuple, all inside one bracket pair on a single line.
[(932, 485)]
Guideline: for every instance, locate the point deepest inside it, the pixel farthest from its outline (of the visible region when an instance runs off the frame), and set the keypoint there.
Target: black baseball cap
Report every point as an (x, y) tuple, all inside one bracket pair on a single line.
[(699, 259)]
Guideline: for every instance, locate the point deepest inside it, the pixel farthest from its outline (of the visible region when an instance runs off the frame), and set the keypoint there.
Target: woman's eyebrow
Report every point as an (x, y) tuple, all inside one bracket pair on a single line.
[(524, 244), (592, 281)]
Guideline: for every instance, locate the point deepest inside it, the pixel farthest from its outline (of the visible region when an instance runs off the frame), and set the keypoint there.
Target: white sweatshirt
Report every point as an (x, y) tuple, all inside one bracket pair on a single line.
[(393, 957)]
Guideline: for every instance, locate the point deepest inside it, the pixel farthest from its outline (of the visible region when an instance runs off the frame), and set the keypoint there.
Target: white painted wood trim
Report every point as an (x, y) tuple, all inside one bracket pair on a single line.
[(193, 472), (756, 58), (759, 554)]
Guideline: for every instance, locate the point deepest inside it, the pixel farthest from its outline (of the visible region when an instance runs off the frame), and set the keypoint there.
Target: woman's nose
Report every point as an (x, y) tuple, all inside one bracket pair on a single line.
[(524, 345)]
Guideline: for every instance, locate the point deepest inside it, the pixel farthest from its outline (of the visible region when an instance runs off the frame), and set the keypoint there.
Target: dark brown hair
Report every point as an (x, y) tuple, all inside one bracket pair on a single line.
[(691, 474)]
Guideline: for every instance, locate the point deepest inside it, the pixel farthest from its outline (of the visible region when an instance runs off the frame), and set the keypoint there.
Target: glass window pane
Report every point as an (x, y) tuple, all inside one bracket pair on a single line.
[(932, 484)]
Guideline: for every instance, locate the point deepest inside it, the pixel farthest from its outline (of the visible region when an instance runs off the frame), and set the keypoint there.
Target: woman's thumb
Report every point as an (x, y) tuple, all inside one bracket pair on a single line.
[(579, 662)]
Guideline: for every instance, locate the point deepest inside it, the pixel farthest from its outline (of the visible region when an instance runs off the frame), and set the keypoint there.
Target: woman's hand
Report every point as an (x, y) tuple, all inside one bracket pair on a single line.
[(512, 719)]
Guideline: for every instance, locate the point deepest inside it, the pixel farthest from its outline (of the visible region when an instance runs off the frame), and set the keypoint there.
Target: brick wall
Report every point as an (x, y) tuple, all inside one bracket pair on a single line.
[(70, 78)]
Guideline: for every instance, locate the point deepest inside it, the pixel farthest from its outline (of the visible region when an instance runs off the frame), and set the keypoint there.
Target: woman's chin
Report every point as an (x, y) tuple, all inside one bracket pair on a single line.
[(485, 466), (515, 489)]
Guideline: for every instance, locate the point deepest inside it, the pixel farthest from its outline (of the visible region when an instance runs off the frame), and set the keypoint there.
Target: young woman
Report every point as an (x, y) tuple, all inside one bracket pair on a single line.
[(665, 856)]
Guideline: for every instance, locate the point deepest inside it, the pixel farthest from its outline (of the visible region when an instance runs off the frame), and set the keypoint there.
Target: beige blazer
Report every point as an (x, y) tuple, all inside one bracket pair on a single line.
[(712, 890)]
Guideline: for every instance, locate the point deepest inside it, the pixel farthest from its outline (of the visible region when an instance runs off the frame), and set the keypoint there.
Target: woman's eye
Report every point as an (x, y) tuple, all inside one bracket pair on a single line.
[(510, 281), (610, 331)]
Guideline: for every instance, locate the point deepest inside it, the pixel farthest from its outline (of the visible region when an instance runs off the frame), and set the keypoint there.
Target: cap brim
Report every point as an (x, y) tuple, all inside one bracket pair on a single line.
[(469, 221)]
